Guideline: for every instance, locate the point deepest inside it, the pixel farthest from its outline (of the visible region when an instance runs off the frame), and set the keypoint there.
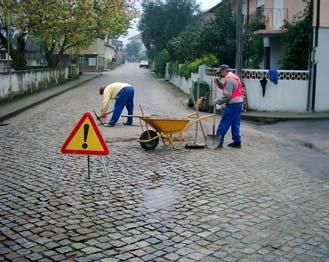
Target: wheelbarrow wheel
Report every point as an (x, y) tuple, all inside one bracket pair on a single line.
[(151, 145)]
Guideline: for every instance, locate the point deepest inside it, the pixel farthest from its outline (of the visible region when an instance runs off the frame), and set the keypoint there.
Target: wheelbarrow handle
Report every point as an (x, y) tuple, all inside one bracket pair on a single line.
[(136, 116)]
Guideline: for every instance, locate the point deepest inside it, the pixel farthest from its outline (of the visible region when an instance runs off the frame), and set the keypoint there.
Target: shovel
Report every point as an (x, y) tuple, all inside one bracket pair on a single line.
[(195, 145), (213, 140), (98, 117)]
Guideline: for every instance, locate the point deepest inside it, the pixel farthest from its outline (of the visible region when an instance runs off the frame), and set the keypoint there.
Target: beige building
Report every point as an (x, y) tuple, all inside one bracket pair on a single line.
[(118, 55), (97, 56), (138, 38), (274, 13), (210, 13)]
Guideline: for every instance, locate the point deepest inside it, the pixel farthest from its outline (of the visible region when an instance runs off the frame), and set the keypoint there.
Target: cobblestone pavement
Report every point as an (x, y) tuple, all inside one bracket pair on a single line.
[(251, 204)]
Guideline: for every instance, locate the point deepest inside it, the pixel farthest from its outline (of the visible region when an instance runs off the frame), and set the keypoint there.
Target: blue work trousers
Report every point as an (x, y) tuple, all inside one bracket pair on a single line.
[(125, 98), (230, 118)]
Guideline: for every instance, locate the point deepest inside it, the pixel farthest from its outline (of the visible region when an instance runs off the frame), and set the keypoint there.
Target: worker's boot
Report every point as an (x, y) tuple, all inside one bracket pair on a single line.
[(234, 145)]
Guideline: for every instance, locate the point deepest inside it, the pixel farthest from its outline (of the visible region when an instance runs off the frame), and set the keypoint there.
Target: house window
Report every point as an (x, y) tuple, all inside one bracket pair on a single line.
[(2, 56), (92, 61), (260, 8), (260, 11), (83, 61)]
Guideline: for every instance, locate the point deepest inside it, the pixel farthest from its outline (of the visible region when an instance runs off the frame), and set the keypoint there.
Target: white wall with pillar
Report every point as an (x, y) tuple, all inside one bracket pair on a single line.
[(289, 95), (322, 75), (320, 56)]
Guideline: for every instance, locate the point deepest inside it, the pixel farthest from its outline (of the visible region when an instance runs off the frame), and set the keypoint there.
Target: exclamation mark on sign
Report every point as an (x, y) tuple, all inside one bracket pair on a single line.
[(85, 135)]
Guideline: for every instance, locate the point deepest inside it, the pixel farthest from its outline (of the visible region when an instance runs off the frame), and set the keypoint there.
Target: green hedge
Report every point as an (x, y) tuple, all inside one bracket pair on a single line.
[(161, 63), (190, 67)]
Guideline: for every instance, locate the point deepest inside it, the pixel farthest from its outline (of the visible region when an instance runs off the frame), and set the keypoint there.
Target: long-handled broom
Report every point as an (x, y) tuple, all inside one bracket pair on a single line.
[(195, 145)]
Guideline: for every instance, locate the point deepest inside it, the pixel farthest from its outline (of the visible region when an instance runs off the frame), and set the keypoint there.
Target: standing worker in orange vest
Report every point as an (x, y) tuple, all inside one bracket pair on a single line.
[(233, 98)]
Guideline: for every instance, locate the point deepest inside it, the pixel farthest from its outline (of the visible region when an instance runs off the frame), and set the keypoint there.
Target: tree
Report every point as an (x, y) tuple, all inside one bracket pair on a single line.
[(298, 39), (61, 25), (252, 44), (10, 35), (133, 49), (161, 22), (186, 46), (218, 36)]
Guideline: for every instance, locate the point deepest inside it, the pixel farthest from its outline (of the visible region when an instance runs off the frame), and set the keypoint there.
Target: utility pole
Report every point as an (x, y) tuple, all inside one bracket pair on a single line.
[(8, 42), (239, 22), (8, 49)]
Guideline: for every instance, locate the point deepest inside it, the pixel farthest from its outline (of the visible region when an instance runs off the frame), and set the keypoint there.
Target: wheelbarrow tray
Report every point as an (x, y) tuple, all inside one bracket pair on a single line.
[(167, 125)]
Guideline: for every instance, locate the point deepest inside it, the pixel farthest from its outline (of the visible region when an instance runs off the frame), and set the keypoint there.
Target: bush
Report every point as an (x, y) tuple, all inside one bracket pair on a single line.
[(298, 41), (192, 67), (173, 69), (161, 62)]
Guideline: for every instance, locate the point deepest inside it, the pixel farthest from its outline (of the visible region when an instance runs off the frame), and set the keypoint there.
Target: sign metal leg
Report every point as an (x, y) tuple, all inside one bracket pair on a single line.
[(107, 176), (88, 167)]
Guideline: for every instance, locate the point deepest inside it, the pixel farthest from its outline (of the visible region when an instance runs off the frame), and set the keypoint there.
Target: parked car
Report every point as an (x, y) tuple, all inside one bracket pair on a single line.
[(144, 63)]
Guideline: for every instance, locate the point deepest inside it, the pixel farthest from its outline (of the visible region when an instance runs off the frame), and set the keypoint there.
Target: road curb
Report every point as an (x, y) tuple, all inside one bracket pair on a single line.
[(271, 119), (44, 99)]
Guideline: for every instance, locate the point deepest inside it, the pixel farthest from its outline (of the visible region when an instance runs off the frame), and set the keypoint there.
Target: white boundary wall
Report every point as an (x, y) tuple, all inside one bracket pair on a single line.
[(181, 82), (289, 95), (22, 82)]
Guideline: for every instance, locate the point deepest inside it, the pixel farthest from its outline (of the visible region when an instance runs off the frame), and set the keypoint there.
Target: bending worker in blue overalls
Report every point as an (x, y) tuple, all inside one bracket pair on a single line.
[(124, 97), (233, 98)]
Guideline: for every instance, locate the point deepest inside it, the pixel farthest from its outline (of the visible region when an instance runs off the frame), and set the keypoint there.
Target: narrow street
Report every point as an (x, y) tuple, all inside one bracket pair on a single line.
[(260, 203)]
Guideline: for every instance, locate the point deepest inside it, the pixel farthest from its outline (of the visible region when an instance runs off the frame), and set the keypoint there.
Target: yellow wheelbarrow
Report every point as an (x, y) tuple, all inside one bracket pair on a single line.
[(164, 128)]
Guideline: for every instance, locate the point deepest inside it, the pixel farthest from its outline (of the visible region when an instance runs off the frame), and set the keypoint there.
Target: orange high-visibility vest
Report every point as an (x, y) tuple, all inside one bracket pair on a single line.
[(238, 91)]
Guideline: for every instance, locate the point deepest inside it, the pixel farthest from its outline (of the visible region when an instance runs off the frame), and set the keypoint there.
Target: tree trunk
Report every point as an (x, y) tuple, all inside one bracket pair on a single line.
[(18, 55), (49, 56)]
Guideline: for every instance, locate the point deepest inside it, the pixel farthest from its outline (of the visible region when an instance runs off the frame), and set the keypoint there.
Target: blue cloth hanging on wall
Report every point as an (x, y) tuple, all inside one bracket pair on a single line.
[(274, 75)]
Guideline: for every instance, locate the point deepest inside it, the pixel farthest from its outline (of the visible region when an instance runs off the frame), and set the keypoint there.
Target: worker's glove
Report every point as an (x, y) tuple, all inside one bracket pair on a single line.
[(219, 102), (198, 101), (220, 107)]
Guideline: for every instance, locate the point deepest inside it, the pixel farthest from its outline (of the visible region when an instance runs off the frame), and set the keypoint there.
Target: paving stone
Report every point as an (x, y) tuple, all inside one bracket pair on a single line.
[(23, 252), (165, 205), (220, 254), (50, 253), (34, 257), (149, 258), (90, 250), (4, 250), (58, 257), (109, 260), (195, 256), (64, 250), (124, 256), (172, 256), (11, 255)]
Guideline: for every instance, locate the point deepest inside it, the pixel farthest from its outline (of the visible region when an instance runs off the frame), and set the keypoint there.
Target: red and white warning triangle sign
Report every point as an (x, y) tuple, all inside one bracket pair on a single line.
[(85, 139)]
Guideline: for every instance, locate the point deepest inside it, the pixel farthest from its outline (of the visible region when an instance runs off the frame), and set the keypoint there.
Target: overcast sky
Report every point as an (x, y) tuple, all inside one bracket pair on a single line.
[(204, 5)]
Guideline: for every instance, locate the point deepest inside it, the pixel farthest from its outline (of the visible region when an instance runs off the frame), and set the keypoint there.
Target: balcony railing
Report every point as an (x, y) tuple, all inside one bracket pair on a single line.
[(273, 18)]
